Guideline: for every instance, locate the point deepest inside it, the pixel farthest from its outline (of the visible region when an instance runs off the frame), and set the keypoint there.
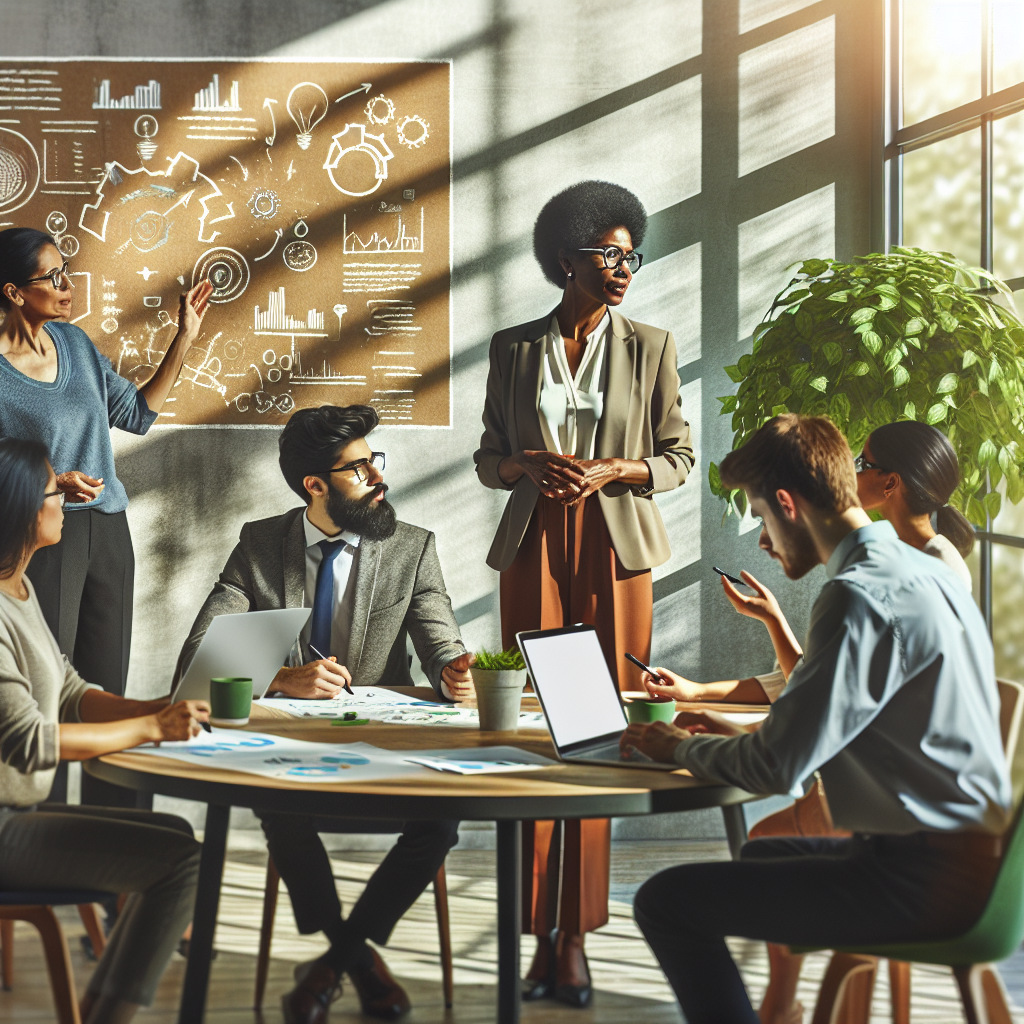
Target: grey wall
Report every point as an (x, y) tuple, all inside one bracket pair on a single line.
[(745, 126)]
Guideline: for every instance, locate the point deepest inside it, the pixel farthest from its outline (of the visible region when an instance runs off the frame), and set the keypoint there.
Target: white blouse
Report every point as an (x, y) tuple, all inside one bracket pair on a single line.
[(571, 407)]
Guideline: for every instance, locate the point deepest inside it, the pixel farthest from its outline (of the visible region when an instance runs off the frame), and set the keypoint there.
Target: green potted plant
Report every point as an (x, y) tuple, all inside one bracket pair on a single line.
[(904, 335), (498, 678)]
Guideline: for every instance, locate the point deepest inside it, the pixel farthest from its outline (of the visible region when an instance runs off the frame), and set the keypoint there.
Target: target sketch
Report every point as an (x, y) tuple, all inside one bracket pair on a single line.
[(226, 269), (19, 170), (150, 231)]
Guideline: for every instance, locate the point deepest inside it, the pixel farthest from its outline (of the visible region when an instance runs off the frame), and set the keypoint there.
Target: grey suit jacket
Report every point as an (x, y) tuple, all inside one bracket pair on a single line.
[(399, 591), (642, 419)]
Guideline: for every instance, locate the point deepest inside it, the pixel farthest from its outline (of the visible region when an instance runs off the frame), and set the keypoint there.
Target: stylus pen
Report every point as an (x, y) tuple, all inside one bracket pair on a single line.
[(640, 664), (206, 726), (348, 686)]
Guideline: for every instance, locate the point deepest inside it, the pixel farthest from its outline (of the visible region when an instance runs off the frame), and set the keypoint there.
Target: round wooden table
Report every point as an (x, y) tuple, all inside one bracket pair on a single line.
[(562, 791)]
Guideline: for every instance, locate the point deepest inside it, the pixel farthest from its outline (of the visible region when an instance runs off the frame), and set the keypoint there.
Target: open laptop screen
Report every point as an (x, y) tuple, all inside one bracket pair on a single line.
[(580, 700)]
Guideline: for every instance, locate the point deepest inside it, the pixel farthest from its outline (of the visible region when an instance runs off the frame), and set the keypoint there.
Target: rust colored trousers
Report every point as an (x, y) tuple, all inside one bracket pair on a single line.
[(566, 571)]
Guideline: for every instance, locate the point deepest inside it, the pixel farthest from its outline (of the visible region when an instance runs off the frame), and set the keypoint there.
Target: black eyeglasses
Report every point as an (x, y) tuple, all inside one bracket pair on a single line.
[(615, 257), (56, 494), (860, 463), (361, 467), (55, 277)]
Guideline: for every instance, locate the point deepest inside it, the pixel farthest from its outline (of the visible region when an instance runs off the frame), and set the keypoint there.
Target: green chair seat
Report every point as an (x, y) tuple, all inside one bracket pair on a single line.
[(995, 936)]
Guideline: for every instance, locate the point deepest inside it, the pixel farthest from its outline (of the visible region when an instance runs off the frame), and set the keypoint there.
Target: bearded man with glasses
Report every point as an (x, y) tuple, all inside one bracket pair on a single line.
[(371, 581)]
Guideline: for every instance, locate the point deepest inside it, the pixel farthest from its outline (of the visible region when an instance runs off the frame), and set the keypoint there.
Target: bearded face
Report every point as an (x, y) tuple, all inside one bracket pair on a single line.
[(371, 517)]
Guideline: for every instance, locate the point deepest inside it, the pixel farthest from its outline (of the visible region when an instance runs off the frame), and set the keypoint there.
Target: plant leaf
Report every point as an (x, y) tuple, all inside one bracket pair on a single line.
[(915, 326), (832, 352), (936, 413), (910, 411), (947, 384), (734, 374), (872, 342), (993, 502), (863, 315), (900, 376), (819, 384), (858, 369)]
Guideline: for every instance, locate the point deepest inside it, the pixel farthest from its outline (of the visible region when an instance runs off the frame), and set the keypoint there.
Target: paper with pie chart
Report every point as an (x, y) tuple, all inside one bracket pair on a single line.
[(315, 196)]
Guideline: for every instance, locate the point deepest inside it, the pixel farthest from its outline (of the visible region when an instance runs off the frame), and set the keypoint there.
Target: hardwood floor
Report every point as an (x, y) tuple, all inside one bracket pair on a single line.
[(629, 985)]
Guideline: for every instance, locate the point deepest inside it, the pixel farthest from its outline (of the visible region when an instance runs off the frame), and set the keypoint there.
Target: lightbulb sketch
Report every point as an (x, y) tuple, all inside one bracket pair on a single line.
[(209, 98), (365, 142), (413, 131), (397, 239), (19, 170), (145, 97), (307, 107), (339, 312), (146, 127)]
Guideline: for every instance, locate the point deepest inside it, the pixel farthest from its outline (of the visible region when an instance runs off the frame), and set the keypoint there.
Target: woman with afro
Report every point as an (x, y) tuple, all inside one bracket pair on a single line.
[(583, 426)]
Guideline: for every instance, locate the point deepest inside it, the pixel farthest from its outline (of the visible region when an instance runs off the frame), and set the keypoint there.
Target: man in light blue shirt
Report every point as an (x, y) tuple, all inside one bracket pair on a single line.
[(894, 701)]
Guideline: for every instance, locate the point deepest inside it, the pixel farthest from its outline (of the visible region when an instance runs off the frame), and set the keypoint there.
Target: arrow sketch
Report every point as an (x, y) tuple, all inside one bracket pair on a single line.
[(277, 238), (269, 139), (364, 87)]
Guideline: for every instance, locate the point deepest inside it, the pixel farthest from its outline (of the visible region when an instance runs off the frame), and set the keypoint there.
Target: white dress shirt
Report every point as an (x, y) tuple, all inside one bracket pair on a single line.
[(571, 407), (344, 589), (894, 700)]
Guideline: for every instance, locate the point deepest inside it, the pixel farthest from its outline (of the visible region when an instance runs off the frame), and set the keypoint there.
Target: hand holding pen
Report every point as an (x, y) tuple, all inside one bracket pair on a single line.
[(347, 684)]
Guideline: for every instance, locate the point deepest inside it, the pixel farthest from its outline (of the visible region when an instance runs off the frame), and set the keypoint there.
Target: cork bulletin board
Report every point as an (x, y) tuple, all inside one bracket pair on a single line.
[(316, 196)]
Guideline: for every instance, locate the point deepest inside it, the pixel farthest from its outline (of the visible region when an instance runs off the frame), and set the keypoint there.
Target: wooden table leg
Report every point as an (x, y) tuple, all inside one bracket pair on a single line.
[(735, 828), (510, 851), (204, 919)]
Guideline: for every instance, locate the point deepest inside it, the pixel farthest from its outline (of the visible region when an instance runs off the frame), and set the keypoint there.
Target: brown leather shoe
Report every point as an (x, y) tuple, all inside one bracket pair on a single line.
[(379, 994), (308, 1003)]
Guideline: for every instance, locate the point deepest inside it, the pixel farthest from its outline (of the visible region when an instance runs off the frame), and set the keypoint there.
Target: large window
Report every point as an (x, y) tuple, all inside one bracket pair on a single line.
[(955, 181)]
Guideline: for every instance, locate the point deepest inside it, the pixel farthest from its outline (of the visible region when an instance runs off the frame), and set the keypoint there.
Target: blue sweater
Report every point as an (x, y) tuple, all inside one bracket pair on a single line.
[(73, 415)]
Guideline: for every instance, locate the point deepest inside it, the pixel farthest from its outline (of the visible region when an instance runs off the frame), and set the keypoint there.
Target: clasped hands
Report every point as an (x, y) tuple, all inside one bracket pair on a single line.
[(568, 480)]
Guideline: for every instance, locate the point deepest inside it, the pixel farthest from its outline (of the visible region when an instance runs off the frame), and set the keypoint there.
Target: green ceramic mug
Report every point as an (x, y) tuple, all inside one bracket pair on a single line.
[(645, 711), (230, 701)]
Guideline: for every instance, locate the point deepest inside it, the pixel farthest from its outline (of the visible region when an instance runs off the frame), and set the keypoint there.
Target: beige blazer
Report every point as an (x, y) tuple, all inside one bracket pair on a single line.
[(642, 419)]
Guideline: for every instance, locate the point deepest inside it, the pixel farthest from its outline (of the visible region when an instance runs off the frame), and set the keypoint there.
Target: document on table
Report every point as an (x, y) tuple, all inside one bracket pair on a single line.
[(278, 757), (480, 760), (392, 709)]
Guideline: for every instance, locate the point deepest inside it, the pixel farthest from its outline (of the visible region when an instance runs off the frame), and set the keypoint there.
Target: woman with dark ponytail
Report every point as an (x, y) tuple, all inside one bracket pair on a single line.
[(907, 471)]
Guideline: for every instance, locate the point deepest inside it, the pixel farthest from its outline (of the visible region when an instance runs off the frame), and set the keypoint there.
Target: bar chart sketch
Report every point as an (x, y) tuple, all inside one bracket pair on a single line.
[(275, 319), (145, 97), (209, 98), (394, 237)]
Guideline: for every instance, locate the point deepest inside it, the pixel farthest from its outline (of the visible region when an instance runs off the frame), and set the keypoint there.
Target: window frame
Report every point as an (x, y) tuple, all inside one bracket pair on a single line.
[(901, 139)]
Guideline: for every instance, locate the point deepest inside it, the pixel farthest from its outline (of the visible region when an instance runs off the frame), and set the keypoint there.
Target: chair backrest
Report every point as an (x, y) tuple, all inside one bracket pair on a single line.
[(999, 930)]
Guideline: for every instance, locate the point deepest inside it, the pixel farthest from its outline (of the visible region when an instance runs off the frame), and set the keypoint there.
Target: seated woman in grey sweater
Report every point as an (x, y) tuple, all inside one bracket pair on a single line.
[(48, 714)]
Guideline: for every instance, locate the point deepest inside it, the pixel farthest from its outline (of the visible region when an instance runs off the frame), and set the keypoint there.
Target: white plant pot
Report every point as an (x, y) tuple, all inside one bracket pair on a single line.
[(498, 697)]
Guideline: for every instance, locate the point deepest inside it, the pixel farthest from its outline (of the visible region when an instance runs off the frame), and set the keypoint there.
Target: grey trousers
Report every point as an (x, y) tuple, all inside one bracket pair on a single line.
[(154, 857)]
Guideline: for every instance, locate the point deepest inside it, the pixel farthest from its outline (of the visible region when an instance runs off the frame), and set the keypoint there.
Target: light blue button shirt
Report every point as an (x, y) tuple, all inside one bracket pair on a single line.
[(894, 700)]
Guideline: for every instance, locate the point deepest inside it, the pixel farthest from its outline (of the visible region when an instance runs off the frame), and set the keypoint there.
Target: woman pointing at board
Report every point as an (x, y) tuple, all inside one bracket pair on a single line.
[(55, 387)]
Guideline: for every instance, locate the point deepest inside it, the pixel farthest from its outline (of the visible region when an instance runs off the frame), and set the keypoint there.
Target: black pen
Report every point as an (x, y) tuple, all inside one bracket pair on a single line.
[(640, 664), (206, 726), (348, 686)]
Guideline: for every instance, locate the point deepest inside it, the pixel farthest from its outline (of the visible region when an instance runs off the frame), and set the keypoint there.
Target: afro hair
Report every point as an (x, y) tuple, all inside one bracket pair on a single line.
[(578, 216)]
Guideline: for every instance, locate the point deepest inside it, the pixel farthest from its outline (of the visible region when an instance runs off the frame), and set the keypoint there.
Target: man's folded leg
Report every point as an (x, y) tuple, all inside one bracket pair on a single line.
[(815, 892), (406, 871)]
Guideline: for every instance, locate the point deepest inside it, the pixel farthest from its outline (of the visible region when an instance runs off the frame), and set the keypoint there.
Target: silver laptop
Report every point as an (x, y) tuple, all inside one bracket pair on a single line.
[(580, 699), (252, 645)]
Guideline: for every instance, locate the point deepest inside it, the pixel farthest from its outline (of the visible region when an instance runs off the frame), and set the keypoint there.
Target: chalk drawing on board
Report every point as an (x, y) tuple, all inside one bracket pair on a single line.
[(269, 139), (339, 312), (301, 229), (391, 235), (149, 231), (83, 291), (56, 223), (64, 162), (307, 107), (363, 142), (145, 273), (363, 87), (226, 269), (275, 319), (264, 203), (413, 131), (380, 110), (67, 246), (145, 97), (152, 301), (26, 91), (277, 238), (209, 97), (146, 126), (19, 170), (299, 255), (391, 316)]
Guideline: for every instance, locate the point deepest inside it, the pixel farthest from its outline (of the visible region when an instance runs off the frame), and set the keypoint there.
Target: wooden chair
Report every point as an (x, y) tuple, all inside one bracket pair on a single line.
[(845, 994), (37, 909), (267, 929)]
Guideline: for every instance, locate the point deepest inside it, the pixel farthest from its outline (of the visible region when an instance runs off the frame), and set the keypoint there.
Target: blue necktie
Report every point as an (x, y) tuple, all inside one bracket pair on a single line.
[(323, 598)]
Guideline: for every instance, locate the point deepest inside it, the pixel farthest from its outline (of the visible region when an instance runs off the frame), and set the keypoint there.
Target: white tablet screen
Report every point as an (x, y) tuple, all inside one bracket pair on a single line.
[(572, 678)]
